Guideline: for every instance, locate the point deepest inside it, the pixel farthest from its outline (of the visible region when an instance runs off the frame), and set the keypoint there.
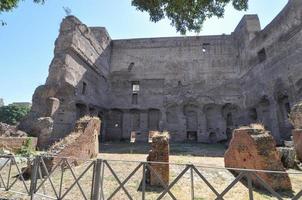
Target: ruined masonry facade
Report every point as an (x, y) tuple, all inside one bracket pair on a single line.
[(197, 88)]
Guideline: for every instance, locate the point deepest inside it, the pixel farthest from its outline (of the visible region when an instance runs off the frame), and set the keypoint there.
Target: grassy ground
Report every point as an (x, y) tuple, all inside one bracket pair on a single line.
[(198, 154)]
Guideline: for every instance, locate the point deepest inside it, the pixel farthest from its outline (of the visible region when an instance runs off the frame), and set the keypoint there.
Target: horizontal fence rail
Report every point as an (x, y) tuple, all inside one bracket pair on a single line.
[(94, 179)]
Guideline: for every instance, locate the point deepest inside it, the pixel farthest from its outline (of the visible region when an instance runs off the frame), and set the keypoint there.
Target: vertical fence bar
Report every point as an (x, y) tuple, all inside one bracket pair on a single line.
[(144, 182), (33, 181), (96, 180), (192, 183), (102, 181), (61, 179), (250, 185), (93, 180), (9, 171)]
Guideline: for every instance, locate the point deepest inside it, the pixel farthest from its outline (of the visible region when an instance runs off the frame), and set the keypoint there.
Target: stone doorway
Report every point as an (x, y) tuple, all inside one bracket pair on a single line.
[(192, 136)]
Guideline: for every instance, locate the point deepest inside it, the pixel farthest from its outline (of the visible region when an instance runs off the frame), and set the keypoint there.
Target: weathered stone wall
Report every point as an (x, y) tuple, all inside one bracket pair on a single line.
[(182, 78), (271, 69), (205, 86), (14, 144), (77, 80), (198, 88)]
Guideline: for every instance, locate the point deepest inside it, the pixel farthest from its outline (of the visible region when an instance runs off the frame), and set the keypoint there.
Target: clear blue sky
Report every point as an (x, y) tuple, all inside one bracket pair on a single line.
[(27, 42)]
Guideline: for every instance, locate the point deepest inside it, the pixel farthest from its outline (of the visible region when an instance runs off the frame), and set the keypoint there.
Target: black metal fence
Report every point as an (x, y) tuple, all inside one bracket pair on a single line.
[(116, 179)]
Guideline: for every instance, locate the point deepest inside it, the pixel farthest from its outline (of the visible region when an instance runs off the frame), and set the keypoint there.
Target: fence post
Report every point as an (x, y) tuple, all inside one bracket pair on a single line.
[(33, 180), (192, 183), (96, 180), (250, 185)]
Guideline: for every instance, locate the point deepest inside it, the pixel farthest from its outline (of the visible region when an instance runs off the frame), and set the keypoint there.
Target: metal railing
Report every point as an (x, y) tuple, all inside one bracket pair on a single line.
[(100, 174)]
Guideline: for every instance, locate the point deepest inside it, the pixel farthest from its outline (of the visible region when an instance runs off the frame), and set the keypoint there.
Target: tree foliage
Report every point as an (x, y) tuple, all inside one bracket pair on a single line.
[(186, 15), (12, 114), (8, 5)]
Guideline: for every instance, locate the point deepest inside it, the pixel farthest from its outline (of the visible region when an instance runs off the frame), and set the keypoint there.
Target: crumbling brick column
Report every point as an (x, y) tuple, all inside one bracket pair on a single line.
[(159, 153), (253, 147)]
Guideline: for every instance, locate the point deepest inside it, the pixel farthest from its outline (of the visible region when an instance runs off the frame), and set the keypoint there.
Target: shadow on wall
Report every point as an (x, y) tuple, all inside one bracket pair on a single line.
[(177, 149)]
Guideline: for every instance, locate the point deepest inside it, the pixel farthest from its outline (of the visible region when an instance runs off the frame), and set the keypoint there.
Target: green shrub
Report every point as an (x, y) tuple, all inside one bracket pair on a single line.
[(12, 114)]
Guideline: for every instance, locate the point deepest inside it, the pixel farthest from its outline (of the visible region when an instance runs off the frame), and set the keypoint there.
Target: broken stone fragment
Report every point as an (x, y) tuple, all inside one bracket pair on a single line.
[(287, 156), (252, 147)]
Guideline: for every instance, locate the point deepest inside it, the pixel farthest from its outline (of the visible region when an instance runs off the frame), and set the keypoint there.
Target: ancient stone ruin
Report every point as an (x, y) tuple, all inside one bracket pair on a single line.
[(80, 145), (198, 88), (159, 153), (296, 119), (12, 139), (252, 147)]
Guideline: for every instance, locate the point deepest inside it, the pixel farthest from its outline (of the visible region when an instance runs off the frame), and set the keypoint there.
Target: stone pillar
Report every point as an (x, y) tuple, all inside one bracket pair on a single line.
[(159, 153), (274, 121), (253, 147)]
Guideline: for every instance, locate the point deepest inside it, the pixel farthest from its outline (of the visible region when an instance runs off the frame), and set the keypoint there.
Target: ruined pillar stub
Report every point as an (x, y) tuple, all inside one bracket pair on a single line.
[(295, 118), (159, 153), (297, 139), (253, 147)]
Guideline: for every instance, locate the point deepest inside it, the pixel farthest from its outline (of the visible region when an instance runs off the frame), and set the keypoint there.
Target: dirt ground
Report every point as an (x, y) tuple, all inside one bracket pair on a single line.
[(181, 154)]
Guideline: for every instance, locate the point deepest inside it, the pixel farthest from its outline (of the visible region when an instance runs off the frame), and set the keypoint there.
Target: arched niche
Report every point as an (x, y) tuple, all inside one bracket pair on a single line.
[(172, 114), (191, 114), (154, 116), (135, 119), (115, 124), (264, 112), (230, 114)]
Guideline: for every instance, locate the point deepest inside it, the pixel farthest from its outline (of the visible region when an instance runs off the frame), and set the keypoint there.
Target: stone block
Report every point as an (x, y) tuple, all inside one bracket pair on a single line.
[(253, 147)]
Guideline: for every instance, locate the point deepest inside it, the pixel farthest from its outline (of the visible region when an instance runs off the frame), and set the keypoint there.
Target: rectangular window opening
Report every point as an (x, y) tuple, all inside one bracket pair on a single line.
[(84, 87), (135, 87), (261, 55), (205, 47), (134, 98)]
